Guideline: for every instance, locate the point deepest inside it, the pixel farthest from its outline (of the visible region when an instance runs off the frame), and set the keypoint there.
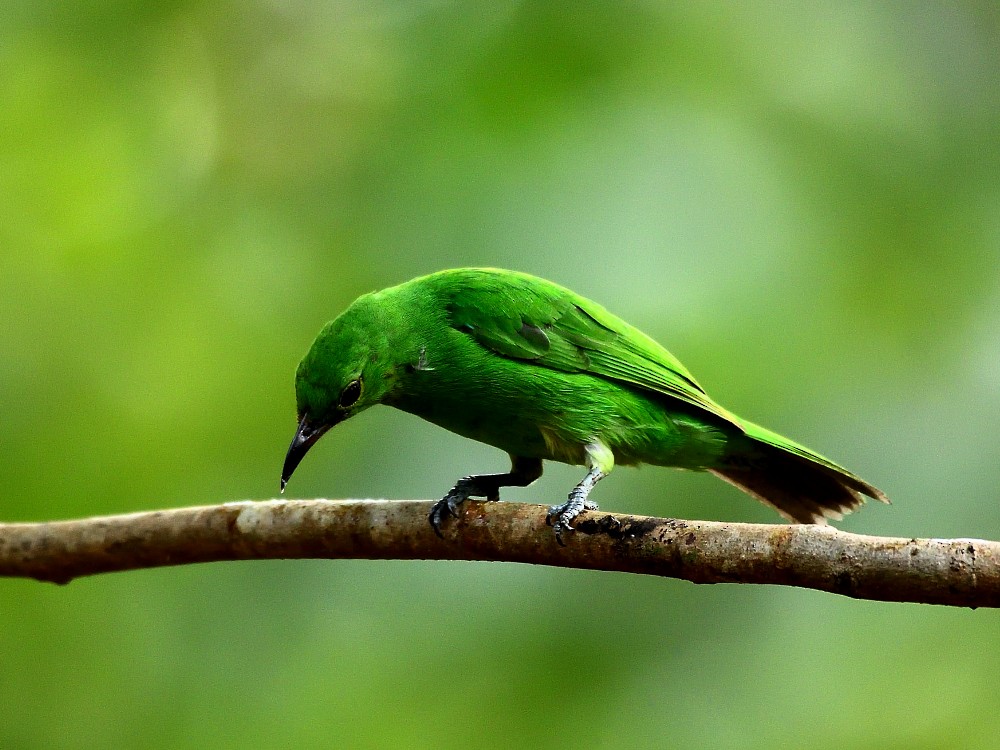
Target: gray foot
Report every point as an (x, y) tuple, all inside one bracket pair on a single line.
[(523, 471), (465, 488), (560, 517)]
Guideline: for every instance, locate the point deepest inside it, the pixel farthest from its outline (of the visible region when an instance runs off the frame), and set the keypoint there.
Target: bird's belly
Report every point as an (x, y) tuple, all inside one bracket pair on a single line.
[(511, 430)]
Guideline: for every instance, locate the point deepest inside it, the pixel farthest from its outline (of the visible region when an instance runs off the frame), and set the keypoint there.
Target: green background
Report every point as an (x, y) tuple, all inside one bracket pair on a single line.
[(801, 200)]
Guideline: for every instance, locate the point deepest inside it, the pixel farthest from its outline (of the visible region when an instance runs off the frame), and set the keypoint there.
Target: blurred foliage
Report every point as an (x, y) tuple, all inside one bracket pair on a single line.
[(801, 200)]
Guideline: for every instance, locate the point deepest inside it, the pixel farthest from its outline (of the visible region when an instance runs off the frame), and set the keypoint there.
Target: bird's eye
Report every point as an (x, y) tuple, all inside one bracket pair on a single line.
[(350, 395)]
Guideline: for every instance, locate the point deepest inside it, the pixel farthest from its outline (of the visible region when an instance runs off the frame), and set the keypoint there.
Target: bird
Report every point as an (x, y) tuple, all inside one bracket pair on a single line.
[(536, 370)]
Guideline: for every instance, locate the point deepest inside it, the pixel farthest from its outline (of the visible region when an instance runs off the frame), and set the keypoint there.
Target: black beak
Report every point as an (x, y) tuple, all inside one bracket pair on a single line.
[(304, 438)]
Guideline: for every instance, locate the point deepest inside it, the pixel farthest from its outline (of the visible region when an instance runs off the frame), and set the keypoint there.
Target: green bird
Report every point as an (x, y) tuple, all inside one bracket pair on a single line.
[(528, 366)]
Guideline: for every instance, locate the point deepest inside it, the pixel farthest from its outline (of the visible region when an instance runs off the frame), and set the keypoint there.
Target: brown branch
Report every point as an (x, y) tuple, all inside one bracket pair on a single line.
[(959, 572)]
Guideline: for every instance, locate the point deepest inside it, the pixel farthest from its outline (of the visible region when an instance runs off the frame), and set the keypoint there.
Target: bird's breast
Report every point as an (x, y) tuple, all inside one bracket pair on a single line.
[(488, 415)]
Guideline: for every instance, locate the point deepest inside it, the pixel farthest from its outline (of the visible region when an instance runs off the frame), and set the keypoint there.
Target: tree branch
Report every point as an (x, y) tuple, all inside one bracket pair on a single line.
[(958, 572)]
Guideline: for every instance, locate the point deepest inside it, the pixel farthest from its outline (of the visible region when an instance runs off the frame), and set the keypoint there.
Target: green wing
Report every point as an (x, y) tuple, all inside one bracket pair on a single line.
[(522, 317)]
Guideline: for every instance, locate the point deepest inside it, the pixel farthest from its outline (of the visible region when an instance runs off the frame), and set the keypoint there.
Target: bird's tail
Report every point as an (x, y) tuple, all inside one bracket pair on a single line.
[(801, 485)]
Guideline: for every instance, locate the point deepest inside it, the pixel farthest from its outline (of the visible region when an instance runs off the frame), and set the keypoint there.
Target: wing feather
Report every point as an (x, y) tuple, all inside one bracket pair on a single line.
[(526, 318)]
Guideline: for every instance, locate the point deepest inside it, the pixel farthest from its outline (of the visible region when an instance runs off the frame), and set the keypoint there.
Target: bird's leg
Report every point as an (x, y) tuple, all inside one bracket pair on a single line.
[(523, 471), (560, 517), (600, 461)]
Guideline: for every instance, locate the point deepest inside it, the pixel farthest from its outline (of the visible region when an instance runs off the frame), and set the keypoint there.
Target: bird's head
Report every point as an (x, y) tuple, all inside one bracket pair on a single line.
[(346, 370)]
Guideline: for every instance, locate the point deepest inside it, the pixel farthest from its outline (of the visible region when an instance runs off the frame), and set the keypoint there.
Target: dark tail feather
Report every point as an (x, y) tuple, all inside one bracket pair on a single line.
[(800, 487)]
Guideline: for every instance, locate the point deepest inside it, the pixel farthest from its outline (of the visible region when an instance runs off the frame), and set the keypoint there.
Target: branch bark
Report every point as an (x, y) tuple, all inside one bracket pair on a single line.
[(957, 572)]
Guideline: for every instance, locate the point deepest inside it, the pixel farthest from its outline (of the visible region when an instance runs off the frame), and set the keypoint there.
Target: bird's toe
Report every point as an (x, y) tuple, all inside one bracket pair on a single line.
[(560, 527), (448, 505), (436, 516), (554, 512)]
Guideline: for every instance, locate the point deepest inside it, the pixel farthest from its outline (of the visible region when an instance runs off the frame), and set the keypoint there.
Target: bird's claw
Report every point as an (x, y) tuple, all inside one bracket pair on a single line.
[(558, 528), (560, 517), (448, 505)]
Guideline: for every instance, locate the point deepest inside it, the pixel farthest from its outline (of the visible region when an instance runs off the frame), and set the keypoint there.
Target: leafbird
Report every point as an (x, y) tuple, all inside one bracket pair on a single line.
[(527, 366)]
